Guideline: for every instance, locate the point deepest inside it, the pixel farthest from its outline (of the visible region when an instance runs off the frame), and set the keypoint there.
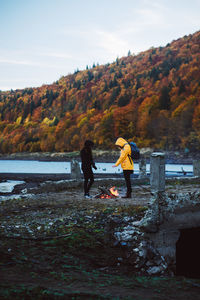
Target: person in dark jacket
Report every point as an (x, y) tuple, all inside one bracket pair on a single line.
[(87, 164)]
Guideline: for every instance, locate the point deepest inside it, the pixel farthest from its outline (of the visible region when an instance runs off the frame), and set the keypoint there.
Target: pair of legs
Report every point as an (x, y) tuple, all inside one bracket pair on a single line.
[(127, 176), (88, 181)]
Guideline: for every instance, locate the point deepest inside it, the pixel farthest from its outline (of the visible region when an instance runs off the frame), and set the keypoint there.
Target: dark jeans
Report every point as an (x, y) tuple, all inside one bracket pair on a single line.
[(88, 180), (127, 176)]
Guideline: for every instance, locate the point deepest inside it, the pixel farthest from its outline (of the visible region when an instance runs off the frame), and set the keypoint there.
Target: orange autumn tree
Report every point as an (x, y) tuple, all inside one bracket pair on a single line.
[(152, 97)]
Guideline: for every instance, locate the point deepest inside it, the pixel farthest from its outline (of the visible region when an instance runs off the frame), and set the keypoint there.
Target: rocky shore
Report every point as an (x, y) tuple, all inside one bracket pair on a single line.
[(101, 156), (66, 247)]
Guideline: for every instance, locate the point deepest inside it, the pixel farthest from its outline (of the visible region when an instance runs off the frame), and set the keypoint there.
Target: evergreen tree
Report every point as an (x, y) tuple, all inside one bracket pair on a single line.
[(123, 100), (164, 100)]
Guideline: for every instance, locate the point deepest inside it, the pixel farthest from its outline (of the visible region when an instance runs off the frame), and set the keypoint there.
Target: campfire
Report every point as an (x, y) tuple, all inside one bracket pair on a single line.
[(107, 193)]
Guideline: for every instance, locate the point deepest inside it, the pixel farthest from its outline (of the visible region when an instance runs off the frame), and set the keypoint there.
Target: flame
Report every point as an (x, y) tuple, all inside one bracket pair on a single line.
[(105, 196), (114, 191)]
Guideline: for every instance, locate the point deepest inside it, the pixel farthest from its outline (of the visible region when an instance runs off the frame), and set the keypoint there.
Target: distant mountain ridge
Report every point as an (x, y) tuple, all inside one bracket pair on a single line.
[(152, 98)]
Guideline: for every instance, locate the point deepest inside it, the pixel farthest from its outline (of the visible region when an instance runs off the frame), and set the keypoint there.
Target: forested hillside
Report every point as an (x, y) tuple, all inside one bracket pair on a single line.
[(152, 98)]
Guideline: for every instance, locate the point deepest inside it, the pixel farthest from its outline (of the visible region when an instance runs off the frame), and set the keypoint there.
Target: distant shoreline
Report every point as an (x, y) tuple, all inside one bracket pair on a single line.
[(99, 156)]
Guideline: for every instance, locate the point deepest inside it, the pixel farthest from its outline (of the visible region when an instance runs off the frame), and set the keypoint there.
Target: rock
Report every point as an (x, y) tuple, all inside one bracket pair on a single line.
[(155, 270)]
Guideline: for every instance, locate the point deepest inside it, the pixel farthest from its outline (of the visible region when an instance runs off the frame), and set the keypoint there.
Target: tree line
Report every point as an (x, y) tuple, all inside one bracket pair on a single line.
[(152, 98)]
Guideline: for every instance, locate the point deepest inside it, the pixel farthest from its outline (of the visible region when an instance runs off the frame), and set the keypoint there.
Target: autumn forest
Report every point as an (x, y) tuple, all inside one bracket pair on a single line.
[(152, 98)]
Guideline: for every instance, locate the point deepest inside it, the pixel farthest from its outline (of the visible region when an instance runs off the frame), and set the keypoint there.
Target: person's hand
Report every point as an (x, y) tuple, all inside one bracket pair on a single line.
[(114, 166), (95, 167)]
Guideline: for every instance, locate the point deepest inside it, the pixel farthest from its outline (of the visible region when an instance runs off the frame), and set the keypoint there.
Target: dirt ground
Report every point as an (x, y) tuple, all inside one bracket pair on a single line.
[(45, 253)]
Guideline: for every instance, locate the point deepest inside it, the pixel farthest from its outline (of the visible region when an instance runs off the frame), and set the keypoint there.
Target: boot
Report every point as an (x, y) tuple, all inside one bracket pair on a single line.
[(128, 195)]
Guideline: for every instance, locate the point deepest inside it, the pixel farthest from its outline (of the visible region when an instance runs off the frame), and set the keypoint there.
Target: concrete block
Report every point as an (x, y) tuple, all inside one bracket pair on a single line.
[(157, 172), (196, 167)]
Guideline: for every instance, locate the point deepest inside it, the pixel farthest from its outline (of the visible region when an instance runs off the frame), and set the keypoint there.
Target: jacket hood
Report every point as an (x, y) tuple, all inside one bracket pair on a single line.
[(120, 142)]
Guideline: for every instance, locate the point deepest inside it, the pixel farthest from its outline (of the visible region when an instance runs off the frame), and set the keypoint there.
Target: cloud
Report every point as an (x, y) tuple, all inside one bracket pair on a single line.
[(18, 62), (148, 16), (133, 32), (127, 35), (94, 40), (111, 42), (28, 63), (33, 57), (56, 55)]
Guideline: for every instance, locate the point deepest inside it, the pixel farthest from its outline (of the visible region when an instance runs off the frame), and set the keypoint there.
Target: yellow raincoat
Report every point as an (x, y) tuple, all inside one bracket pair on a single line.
[(125, 156)]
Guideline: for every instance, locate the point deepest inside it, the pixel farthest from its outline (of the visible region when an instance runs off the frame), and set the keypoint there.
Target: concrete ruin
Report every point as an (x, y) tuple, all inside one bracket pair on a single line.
[(171, 227), (75, 170), (142, 168), (196, 167), (166, 240)]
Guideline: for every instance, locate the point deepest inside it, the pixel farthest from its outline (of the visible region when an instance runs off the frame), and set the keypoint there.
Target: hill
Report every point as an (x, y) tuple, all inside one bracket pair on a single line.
[(152, 98)]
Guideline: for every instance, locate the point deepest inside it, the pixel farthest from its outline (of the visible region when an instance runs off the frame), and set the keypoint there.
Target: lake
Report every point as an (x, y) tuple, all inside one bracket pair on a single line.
[(50, 167)]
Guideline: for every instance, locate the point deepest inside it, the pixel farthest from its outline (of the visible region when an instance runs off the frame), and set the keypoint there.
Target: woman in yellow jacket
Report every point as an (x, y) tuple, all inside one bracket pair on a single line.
[(126, 163)]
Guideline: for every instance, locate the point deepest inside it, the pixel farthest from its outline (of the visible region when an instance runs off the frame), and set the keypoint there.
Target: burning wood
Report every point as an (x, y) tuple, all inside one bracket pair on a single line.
[(107, 193)]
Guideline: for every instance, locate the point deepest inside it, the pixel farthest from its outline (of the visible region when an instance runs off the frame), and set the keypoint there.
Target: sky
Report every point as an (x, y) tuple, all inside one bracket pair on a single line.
[(43, 40)]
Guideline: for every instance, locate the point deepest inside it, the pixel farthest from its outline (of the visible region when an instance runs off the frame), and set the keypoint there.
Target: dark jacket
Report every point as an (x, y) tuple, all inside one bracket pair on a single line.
[(86, 157)]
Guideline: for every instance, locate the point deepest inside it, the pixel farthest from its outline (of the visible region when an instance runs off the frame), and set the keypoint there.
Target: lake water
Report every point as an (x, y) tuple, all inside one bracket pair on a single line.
[(8, 186), (41, 167), (49, 167)]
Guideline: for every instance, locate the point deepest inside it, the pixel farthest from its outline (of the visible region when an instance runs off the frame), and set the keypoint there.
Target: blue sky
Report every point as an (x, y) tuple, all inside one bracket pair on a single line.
[(42, 40)]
